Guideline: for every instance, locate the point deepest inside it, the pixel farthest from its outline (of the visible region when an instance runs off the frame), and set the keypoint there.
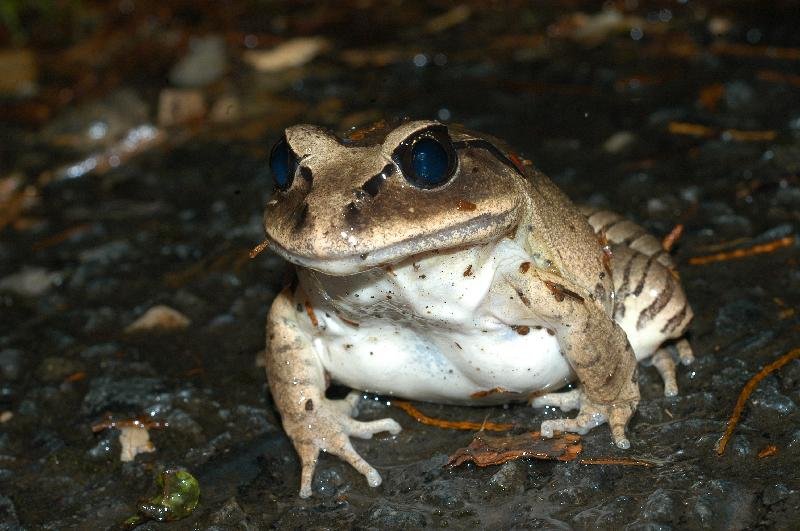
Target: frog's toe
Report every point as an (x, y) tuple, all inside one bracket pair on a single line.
[(665, 365), (309, 453), (346, 452), (685, 352), (353, 398), (581, 424), (347, 406), (365, 430), (566, 401)]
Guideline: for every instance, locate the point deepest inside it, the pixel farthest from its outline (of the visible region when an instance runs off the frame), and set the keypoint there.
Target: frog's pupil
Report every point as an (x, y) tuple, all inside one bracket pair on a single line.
[(280, 163), (429, 161)]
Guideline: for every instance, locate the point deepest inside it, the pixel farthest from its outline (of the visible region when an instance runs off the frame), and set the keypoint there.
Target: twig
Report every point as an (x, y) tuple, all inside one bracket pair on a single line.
[(747, 390), (761, 248), (449, 424)]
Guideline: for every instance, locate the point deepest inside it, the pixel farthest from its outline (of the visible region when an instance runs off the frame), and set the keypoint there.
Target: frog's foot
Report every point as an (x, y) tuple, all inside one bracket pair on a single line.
[(327, 426), (590, 416), (566, 401), (665, 365), (685, 352)]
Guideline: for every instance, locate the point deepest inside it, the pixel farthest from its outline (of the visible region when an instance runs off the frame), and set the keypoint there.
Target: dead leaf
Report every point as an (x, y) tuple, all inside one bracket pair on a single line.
[(485, 450)]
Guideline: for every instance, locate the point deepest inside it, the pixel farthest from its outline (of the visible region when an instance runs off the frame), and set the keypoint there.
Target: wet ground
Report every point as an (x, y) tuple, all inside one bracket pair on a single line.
[(118, 195)]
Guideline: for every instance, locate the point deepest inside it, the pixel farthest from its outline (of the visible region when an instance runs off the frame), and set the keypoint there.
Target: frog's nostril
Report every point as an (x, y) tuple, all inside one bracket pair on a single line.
[(300, 216), (307, 174), (373, 185)]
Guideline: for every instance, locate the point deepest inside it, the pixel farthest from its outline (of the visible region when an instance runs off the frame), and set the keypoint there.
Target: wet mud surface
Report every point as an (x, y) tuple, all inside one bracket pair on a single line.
[(670, 113)]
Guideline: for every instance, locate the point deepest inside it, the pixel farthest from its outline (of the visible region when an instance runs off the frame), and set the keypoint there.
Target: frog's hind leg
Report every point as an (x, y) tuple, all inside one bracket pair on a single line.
[(566, 401), (590, 415), (665, 365), (685, 352), (664, 362)]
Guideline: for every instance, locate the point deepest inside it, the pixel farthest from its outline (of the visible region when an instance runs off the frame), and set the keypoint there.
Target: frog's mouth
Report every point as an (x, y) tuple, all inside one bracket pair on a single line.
[(479, 230)]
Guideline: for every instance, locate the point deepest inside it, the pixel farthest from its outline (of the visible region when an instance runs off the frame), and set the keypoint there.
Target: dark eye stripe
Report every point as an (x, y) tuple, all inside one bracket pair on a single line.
[(479, 143)]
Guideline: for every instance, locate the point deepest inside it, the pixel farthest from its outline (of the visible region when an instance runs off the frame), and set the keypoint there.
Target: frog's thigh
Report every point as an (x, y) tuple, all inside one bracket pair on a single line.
[(566, 401)]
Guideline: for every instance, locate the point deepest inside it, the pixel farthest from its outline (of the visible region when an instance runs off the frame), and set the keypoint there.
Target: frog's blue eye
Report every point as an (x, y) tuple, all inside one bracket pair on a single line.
[(427, 159), (283, 164)]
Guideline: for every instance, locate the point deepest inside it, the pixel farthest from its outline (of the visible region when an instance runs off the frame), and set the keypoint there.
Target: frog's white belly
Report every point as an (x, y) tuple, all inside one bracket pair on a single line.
[(428, 330), (443, 367)]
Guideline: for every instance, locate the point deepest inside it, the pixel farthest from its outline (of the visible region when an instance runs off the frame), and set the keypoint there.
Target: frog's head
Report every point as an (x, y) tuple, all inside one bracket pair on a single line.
[(347, 205)]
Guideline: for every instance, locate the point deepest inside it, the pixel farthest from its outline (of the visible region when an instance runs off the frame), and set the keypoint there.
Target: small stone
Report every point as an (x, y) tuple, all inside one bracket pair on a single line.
[(328, 481), (231, 516), (159, 318), (29, 281), (659, 507), (290, 54), (507, 477), (619, 142), (204, 64), (104, 448)]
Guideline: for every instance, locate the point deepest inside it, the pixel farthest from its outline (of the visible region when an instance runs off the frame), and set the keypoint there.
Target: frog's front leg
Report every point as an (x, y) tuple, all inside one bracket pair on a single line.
[(297, 382), (595, 346)]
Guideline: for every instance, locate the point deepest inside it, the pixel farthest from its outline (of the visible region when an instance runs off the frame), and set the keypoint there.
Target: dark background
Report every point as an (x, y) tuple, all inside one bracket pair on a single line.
[(668, 112)]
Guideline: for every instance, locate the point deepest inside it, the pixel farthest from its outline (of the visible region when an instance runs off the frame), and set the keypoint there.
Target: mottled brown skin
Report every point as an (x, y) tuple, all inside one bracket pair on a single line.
[(326, 221), (307, 222)]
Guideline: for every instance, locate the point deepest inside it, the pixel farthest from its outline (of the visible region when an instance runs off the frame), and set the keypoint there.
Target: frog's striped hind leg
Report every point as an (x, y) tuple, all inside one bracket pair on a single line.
[(665, 365), (566, 401)]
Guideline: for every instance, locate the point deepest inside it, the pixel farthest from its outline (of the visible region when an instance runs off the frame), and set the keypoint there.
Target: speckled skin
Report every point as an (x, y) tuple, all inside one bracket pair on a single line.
[(493, 287)]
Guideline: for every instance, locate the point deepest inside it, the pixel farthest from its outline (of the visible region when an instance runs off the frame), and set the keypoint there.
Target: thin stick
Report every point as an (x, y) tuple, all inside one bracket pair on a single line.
[(747, 390), (422, 418), (762, 248)]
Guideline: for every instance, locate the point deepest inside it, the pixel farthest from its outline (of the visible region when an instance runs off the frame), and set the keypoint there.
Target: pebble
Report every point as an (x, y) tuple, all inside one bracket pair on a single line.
[(510, 476), (659, 507), (29, 281), (204, 64), (159, 317)]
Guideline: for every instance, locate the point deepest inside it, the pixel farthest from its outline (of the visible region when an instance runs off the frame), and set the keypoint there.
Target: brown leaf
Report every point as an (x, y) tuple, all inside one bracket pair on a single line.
[(485, 450)]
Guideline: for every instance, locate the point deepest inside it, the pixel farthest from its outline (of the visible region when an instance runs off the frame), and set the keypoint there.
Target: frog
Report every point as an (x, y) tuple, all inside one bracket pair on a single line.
[(434, 264)]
